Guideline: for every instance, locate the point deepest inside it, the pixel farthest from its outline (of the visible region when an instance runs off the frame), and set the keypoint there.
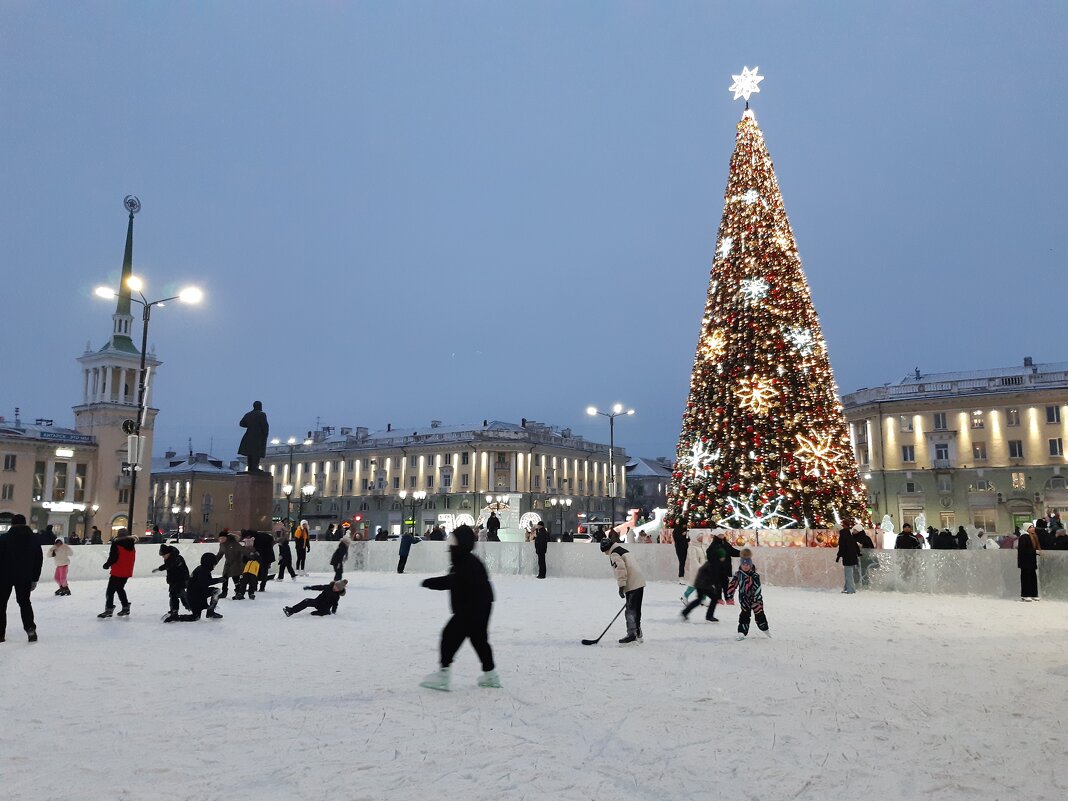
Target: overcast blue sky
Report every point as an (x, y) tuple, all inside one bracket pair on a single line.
[(402, 211)]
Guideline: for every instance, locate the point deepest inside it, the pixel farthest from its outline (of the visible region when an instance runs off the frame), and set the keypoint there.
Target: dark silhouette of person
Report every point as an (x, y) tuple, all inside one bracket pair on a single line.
[(254, 442)]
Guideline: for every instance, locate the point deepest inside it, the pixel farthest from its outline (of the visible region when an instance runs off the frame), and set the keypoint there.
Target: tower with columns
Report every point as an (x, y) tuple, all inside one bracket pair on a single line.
[(109, 398)]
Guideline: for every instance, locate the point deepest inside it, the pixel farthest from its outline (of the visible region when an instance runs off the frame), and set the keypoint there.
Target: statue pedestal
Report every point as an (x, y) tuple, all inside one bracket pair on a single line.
[(253, 502)]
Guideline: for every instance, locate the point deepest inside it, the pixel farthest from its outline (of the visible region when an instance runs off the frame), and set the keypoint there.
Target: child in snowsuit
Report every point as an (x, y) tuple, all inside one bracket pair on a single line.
[(177, 579), (747, 583), (337, 559), (249, 576), (471, 595), (285, 557), (61, 552), (631, 587), (200, 593), (325, 602), (706, 584), (121, 560)]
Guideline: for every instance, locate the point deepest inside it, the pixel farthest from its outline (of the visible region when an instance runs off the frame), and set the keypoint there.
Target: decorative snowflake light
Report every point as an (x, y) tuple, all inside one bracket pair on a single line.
[(699, 457), (713, 346), (751, 197), (818, 453), (725, 246), (757, 394), (746, 84), (753, 289), (801, 339), (747, 514)]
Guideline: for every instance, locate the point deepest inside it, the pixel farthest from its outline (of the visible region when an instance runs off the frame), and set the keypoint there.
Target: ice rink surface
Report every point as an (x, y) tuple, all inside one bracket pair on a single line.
[(867, 696)]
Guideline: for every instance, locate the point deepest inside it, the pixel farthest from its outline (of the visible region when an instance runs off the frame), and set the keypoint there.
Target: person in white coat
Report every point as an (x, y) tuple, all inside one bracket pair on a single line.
[(631, 584), (61, 552)]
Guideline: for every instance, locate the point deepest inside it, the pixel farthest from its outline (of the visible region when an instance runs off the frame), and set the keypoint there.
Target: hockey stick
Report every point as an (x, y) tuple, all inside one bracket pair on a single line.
[(606, 628)]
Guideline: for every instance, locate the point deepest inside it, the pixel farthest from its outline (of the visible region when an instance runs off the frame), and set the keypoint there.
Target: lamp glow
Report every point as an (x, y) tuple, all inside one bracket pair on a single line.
[(618, 408), (135, 283), (191, 294), (591, 410), (65, 453), (105, 292)]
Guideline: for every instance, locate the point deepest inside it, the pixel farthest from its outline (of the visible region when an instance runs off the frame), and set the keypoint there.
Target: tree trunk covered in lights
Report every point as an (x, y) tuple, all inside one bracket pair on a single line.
[(764, 442)]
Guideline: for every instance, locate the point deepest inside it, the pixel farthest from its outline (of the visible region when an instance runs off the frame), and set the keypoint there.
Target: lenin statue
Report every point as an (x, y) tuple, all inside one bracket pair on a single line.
[(254, 443)]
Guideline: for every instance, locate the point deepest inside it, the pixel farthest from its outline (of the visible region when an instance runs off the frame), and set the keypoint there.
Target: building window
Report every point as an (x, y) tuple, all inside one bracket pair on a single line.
[(396, 482), (10, 459), (446, 480), (38, 481), (1016, 449), (447, 458), (945, 484), (905, 422), (502, 459), (940, 421), (910, 487), (986, 519), (8, 492), (1012, 417), (1019, 481), (977, 420), (982, 485), (411, 482), (465, 479), (465, 458), (79, 482), (230, 502), (1057, 483), (947, 519), (978, 451), (537, 482), (1053, 414), (348, 485), (430, 482), (1056, 447), (942, 451), (124, 496), (365, 484), (413, 461), (908, 453), (59, 481)]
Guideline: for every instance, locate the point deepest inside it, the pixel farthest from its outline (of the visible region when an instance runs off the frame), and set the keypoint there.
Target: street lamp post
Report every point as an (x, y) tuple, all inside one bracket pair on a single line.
[(305, 495), (292, 443), (135, 284), (181, 516), (87, 516), (418, 496), (617, 411), (560, 504), (287, 490)]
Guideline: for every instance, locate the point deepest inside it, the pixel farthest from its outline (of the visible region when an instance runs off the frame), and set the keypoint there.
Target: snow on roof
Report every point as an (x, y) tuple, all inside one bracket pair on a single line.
[(641, 467), (995, 372)]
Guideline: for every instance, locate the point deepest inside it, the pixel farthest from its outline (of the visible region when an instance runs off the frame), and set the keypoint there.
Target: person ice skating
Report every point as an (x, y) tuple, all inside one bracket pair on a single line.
[(21, 560), (302, 542), (407, 540), (338, 557), (631, 587), (746, 583), (541, 545), (325, 602), (250, 572), (61, 553), (868, 561), (706, 587), (121, 559), (682, 545), (723, 551), (285, 557), (232, 556), (1027, 552), (493, 527), (177, 579), (471, 596), (265, 546), (849, 556), (200, 592)]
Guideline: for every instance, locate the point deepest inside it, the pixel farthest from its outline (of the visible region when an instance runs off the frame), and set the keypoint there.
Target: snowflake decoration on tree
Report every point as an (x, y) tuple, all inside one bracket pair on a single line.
[(713, 346), (725, 246), (801, 339), (818, 453), (757, 394), (746, 84), (699, 456), (751, 197), (746, 514), (753, 289)]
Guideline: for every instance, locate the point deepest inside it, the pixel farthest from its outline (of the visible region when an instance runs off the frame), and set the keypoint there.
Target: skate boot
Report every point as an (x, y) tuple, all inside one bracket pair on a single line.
[(489, 679), (170, 617), (437, 681), (58, 592), (213, 615), (32, 635), (767, 634), (740, 637), (66, 590), (107, 612), (288, 611), (629, 639), (125, 611)]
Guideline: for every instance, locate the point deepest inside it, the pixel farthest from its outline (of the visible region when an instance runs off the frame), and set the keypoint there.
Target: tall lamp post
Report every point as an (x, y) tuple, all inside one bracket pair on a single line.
[(287, 490), (134, 284), (292, 443), (617, 411), (305, 495), (181, 514), (87, 516), (418, 496), (560, 504)]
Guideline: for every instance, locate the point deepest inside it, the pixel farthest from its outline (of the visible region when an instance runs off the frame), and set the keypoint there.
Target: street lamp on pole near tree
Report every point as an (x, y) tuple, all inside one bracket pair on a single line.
[(560, 504), (418, 496), (617, 411)]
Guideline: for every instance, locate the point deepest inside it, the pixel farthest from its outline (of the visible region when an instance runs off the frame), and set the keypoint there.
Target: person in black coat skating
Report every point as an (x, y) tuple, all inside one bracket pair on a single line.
[(177, 579), (285, 558), (682, 544), (21, 559), (541, 545), (1027, 550), (338, 557), (849, 556), (722, 550), (471, 595), (325, 602), (265, 547), (200, 593)]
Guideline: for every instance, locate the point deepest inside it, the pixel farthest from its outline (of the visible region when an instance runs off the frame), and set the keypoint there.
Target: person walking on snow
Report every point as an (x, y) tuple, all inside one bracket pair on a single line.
[(21, 560), (302, 541), (61, 552), (493, 526), (471, 596), (723, 551), (121, 559), (849, 556), (682, 544), (232, 556), (705, 585), (177, 579), (631, 587), (265, 546), (285, 557), (407, 540), (325, 602), (200, 593), (746, 583), (1027, 550), (541, 545)]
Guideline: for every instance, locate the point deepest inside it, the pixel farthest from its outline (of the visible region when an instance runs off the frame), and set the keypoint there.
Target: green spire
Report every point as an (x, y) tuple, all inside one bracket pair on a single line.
[(122, 319), (123, 304)]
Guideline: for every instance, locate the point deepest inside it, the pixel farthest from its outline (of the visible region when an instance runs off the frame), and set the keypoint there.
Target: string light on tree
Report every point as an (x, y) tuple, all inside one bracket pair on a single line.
[(801, 339), (818, 454), (753, 514), (753, 289), (757, 394), (713, 345), (725, 246), (699, 457)]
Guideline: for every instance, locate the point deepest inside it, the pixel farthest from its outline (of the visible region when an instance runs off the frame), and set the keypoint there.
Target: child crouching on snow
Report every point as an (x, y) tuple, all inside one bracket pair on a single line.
[(747, 583), (201, 594)]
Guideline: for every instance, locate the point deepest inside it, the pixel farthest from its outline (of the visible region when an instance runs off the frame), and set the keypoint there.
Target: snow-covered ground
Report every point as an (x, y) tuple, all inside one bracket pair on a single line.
[(876, 695)]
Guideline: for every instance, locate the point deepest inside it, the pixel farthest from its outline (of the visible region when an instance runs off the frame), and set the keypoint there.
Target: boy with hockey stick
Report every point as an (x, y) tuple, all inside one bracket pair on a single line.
[(631, 587), (747, 583), (200, 593)]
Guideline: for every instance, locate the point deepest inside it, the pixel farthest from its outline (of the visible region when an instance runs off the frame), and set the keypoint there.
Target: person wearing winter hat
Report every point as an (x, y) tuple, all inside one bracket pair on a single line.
[(200, 594), (746, 583), (21, 560), (177, 579), (471, 595), (61, 552), (121, 560), (631, 585), (302, 541), (325, 602)]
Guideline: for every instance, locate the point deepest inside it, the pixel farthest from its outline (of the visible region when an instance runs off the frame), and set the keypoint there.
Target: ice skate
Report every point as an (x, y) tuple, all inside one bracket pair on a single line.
[(213, 615), (106, 613), (125, 611), (740, 637), (31, 635), (767, 634), (437, 681), (58, 592), (170, 617), (630, 639), (641, 639), (489, 679), (711, 620), (288, 612)]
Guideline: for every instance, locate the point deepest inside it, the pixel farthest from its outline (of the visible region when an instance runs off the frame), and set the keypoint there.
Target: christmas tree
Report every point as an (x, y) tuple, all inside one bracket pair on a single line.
[(764, 442)]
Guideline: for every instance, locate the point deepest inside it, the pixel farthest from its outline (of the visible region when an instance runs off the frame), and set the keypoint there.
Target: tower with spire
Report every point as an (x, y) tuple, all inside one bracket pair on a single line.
[(109, 398)]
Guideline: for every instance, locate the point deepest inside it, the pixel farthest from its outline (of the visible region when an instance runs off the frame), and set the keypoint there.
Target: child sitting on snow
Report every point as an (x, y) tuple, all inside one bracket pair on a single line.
[(325, 602), (202, 596), (747, 582)]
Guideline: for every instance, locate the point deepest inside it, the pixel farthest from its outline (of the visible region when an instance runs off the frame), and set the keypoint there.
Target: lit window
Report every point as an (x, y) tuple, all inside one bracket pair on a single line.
[(1019, 481), (978, 450), (977, 420), (905, 422), (986, 519), (1012, 417)]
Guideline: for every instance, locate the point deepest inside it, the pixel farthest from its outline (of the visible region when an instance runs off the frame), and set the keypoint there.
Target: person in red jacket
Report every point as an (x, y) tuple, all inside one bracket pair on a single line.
[(121, 560)]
